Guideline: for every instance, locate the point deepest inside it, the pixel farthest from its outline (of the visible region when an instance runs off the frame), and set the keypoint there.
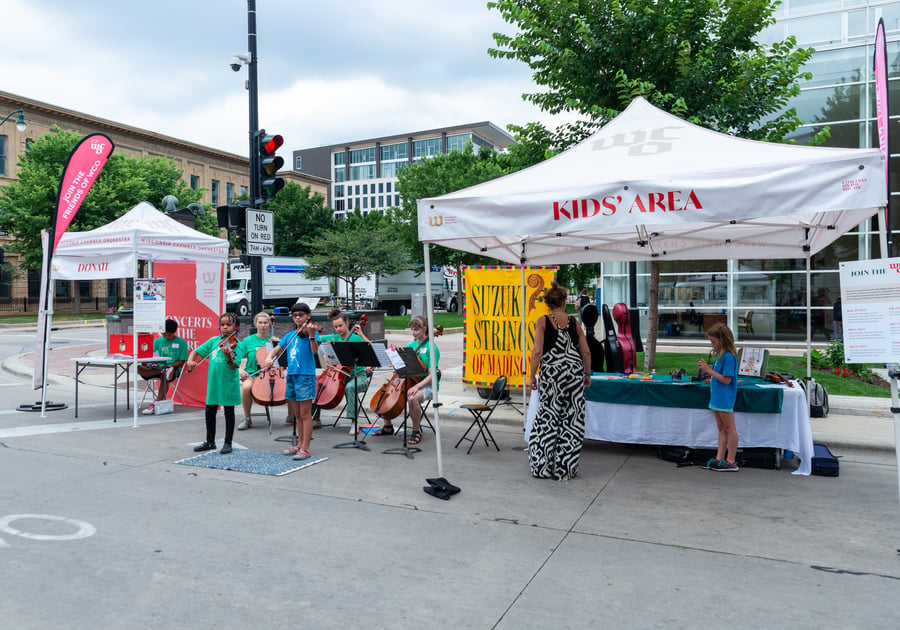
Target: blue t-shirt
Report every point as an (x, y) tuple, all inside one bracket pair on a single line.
[(301, 359), (722, 396)]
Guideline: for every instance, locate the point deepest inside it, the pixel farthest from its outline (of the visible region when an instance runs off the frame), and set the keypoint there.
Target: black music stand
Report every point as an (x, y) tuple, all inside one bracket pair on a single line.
[(412, 368), (358, 354)]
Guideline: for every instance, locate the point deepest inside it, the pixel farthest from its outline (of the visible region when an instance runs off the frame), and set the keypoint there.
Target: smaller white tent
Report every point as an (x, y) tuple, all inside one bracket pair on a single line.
[(113, 250)]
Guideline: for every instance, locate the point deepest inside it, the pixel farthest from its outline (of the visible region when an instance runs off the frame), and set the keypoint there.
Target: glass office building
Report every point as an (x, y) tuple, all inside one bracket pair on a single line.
[(765, 300)]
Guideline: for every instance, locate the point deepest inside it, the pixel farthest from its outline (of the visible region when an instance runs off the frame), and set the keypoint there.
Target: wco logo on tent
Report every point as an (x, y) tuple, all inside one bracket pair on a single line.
[(639, 142)]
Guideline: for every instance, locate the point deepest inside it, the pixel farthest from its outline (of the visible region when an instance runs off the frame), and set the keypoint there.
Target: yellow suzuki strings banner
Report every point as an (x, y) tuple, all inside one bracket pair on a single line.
[(493, 302)]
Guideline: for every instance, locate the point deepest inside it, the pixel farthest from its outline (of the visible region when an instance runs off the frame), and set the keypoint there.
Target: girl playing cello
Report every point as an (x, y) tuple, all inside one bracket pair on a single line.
[(359, 380), (247, 353)]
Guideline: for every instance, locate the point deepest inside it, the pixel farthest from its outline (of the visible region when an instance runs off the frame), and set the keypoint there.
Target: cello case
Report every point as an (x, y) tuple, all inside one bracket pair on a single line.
[(611, 343), (626, 318), (589, 317)]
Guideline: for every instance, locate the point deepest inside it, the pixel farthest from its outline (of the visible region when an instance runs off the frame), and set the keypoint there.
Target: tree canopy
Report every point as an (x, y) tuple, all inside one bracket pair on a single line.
[(699, 59), (27, 205), (299, 217)]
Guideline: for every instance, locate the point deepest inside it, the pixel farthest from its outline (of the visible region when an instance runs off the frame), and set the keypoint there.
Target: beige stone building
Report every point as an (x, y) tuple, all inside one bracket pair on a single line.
[(222, 175)]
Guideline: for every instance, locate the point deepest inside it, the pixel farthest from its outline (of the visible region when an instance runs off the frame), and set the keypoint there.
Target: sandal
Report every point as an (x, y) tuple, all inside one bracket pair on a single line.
[(415, 438), (387, 429), (292, 451)]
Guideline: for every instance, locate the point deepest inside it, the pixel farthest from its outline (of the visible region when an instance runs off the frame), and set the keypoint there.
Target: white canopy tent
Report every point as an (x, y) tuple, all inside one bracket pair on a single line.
[(112, 251), (651, 186)]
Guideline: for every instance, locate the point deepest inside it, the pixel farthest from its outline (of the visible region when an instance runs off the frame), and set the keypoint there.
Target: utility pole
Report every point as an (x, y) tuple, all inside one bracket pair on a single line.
[(255, 193)]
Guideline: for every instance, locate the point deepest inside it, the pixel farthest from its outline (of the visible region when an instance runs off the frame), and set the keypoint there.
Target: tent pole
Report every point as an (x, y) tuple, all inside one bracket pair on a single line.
[(808, 321), (522, 335), (429, 309)]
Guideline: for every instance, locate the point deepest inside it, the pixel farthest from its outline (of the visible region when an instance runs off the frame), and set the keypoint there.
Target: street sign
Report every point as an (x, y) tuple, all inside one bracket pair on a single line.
[(260, 233)]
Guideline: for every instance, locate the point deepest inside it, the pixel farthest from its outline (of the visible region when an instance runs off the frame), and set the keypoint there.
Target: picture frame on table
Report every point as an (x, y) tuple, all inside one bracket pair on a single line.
[(752, 362)]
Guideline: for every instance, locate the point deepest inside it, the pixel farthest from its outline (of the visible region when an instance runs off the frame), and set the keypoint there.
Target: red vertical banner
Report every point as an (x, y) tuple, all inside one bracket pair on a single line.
[(80, 172), (882, 116), (195, 299)]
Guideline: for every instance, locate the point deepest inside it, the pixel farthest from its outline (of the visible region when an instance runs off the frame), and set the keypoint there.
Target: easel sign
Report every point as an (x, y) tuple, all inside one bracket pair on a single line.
[(753, 362)]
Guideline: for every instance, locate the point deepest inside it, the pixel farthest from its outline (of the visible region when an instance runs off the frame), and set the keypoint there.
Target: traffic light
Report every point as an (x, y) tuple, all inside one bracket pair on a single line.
[(269, 165)]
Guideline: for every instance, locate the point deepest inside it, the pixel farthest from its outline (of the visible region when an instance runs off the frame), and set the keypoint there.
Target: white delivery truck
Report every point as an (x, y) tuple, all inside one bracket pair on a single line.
[(284, 282), (393, 293)]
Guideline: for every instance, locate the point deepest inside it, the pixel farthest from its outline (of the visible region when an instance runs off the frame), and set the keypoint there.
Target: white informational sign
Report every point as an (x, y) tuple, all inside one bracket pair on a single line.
[(149, 305), (870, 303), (753, 362), (260, 233)]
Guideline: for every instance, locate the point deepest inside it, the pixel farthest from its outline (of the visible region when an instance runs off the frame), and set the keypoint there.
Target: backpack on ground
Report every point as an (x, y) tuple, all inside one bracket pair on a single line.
[(817, 398)]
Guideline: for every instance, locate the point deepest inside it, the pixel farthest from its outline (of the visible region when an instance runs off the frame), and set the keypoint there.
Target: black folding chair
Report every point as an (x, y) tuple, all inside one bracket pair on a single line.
[(480, 416)]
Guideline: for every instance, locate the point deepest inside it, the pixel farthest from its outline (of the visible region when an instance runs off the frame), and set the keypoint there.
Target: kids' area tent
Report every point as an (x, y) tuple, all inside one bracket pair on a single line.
[(194, 284), (651, 186)]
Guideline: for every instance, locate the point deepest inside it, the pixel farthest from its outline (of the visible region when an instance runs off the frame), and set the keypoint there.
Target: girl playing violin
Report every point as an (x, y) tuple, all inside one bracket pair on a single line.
[(223, 386), (248, 367), (301, 346)]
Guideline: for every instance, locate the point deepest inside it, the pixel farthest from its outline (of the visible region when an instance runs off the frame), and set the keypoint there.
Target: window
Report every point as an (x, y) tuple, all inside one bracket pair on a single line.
[(229, 192), (339, 159), (426, 148), (195, 182), (214, 189), (244, 192), (298, 163), (3, 142)]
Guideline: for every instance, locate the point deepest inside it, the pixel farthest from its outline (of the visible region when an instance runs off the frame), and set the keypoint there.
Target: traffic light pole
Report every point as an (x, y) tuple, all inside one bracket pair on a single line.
[(255, 192)]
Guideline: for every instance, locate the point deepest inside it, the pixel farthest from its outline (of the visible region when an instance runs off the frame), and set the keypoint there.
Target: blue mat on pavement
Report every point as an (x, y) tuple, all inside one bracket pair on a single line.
[(250, 461)]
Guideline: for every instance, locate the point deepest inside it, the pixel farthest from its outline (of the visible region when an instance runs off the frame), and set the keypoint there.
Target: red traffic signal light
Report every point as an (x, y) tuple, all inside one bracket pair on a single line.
[(269, 165)]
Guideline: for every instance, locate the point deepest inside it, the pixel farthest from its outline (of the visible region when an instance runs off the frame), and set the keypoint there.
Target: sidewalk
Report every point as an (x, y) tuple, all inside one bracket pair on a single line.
[(853, 421)]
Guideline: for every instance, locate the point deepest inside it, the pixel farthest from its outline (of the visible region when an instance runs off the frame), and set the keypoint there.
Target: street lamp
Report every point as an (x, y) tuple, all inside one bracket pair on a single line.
[(20, 121)]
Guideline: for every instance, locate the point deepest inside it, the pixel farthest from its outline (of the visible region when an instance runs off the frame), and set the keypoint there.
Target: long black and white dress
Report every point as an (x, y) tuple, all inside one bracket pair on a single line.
[(557, 433)]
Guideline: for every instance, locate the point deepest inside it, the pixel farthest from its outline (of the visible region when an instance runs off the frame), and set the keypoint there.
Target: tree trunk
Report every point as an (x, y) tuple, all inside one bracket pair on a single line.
[(653, 318), (459, 302), (76, 296), (352, 285)]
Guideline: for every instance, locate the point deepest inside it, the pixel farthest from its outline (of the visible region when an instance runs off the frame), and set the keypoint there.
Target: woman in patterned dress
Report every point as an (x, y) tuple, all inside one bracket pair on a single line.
[(561, 350)]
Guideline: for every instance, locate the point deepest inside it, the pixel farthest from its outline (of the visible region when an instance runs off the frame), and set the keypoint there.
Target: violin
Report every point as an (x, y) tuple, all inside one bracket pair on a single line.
[(269, 385), (330, 384), (227, 345), (388, 401)]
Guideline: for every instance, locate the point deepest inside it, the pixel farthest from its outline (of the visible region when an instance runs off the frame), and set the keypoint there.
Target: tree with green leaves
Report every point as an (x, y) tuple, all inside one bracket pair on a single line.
[(698, 59), (439, 175), (27, 205), (356, 247), (299, 217)]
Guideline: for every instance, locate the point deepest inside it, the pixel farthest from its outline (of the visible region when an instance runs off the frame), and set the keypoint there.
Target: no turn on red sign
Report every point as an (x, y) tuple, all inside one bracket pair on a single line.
[(260, 232)]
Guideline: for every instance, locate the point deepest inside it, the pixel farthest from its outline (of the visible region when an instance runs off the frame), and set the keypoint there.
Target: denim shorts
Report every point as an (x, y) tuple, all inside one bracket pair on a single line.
[(300, 387)]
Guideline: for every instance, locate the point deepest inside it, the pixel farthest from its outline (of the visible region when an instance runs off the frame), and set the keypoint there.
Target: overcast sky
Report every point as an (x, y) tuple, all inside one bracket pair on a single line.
[(329, 72)]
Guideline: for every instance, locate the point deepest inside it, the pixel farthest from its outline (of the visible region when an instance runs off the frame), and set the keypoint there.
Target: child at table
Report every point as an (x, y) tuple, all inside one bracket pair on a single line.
[(722, 394)]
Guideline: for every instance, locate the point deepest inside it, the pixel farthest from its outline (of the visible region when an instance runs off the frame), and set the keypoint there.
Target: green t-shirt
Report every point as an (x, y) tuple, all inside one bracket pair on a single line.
[(336, 338), (248, 348), (223, 384), (175, 350), (425, 357)]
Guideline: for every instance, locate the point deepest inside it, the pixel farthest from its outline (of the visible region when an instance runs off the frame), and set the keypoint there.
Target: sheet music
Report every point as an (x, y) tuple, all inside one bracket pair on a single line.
[(394, 359), (384, 360), (329, 354)]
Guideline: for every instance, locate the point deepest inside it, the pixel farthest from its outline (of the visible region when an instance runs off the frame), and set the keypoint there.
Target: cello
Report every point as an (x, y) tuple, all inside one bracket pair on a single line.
[(269, 385), (627, 346), (389, 400), (330, 383)]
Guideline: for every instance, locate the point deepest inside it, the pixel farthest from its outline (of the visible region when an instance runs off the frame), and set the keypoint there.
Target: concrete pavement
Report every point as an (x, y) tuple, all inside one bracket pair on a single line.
[(100, 528)]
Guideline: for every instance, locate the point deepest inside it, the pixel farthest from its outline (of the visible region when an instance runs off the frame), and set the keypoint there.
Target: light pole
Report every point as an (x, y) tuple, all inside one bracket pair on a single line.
[(20, 121)]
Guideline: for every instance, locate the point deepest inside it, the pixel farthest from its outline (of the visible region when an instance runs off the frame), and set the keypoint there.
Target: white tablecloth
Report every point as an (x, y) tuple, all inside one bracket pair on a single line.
[(696, 428)]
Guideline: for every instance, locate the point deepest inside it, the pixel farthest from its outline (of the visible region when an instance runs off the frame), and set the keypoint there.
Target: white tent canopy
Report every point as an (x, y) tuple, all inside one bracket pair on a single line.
[(649, 185), (142, 233)]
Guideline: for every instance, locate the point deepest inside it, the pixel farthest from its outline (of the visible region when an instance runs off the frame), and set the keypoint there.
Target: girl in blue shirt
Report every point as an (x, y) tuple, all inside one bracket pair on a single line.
[(722, 394)]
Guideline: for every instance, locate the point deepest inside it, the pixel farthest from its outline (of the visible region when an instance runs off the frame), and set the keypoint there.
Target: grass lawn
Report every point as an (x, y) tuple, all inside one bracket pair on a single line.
[(57, 317)]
